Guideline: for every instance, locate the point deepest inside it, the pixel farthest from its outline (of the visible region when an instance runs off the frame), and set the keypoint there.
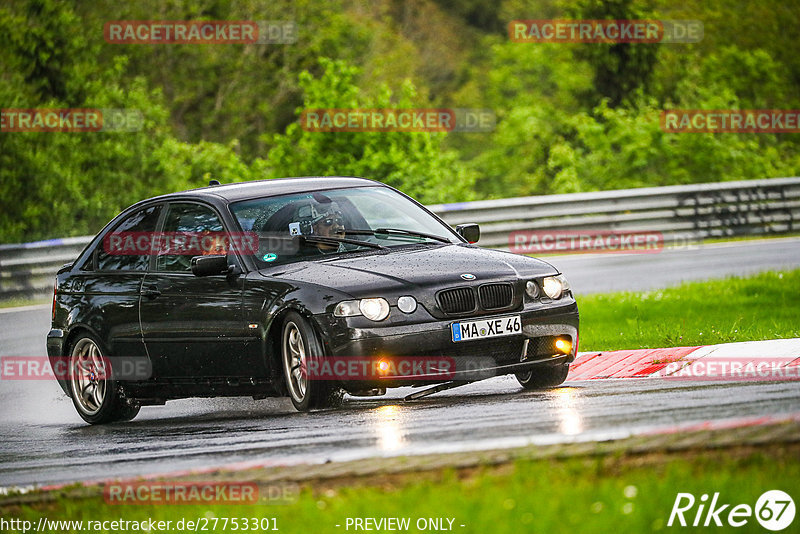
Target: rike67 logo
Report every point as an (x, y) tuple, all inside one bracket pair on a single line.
[(774, 510)]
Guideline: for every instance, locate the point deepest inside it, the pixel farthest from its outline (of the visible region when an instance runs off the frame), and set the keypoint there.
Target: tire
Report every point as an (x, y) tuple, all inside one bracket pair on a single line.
[(97, 399), (545, 376), (300, 345)]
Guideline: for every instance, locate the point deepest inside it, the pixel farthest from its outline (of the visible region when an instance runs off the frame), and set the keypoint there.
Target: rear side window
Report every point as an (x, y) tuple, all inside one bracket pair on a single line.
[(127, 258), (192, 220)]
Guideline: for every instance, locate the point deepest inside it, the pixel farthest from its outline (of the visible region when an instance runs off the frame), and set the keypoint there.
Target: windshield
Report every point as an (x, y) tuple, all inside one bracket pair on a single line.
[(336, 221)]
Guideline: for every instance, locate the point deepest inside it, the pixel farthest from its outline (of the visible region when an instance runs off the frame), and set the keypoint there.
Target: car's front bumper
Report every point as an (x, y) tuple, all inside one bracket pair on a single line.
[(474, 360)]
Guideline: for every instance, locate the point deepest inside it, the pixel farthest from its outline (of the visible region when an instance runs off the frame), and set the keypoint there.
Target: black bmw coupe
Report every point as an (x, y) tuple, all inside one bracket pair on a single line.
[(299, 287)]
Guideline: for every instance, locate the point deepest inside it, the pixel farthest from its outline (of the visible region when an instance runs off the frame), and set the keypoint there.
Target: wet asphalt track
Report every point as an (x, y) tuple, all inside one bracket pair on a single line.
[(42, 440)]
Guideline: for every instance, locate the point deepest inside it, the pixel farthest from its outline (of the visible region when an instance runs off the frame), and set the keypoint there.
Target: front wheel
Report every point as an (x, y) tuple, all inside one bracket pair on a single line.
[(544, 376), (299, 347), (97, 398)]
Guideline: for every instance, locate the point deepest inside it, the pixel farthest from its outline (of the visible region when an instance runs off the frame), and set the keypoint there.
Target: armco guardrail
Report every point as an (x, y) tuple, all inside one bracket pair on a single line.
[(28, 270), (680, 213)]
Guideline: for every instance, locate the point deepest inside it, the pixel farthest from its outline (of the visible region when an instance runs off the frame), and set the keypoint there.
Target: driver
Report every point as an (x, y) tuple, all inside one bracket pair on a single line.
[(328, 221)]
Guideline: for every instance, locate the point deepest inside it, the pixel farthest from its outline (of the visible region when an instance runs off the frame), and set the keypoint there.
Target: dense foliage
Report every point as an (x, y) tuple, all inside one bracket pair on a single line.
[(570, 117)]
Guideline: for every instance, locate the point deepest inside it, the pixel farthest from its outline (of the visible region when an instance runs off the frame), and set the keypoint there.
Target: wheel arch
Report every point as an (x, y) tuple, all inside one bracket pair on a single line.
[(75, 331), (273, 338)]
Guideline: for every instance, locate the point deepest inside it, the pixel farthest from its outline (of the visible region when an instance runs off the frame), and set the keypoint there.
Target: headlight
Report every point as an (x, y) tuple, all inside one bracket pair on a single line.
[(532, 289), (374, 309), (407, 304), (555, 286), (347, 308)]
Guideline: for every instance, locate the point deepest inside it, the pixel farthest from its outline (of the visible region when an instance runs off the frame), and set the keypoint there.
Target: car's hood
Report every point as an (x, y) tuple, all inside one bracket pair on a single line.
[(432, 266)]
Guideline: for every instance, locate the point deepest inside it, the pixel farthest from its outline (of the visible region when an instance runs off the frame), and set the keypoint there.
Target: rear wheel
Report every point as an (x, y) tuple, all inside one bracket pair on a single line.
[(299, 347), (97, 398), (544, 376)]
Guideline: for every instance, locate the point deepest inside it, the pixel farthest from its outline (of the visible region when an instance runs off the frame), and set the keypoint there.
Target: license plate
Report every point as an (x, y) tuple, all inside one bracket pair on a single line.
[(485, 328)]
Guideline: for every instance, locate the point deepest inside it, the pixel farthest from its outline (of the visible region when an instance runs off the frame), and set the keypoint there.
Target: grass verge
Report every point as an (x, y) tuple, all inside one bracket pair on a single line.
[(16, 303), (763, 306), (627, 493)]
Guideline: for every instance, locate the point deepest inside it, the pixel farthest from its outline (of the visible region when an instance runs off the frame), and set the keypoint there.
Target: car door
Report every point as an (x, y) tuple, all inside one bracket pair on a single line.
[(192, 325), (110, 282)]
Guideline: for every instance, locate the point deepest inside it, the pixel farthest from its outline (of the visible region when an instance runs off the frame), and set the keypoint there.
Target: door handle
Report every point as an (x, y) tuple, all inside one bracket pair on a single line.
[(151, 292)]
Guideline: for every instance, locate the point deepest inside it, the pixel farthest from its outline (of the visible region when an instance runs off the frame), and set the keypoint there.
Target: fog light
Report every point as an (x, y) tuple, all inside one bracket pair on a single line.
[(563, 345), (383, 366)]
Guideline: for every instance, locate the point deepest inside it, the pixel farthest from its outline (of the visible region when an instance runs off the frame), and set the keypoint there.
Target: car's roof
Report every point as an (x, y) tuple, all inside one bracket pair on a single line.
[(271, 187)]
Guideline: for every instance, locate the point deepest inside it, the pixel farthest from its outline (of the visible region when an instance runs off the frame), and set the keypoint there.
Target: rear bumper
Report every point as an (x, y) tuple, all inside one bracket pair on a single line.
[(55, 343), (55, 350)]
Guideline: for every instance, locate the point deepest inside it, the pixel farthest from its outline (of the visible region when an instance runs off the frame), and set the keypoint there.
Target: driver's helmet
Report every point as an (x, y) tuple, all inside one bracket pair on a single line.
[(314, 213)]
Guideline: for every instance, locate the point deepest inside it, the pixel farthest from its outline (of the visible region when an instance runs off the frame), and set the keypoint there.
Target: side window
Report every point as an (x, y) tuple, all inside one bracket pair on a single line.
[(192, 220), (119, 250)]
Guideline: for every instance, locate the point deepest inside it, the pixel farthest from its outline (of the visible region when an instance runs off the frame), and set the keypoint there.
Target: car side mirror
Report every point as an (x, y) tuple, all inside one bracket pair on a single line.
[(469, 231), (210, 265)]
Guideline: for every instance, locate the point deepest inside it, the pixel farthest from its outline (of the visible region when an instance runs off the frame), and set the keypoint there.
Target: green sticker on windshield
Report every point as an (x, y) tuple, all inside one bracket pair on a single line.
[(269, 256)]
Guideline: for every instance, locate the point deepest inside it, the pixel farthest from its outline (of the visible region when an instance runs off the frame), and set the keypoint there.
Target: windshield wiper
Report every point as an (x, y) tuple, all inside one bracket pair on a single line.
[(337, 240), (399, 231)]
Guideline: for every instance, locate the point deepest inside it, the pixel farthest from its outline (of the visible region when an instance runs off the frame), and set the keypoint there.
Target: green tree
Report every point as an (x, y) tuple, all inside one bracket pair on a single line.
[(410, 161), (619, 68), (59, 183)]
